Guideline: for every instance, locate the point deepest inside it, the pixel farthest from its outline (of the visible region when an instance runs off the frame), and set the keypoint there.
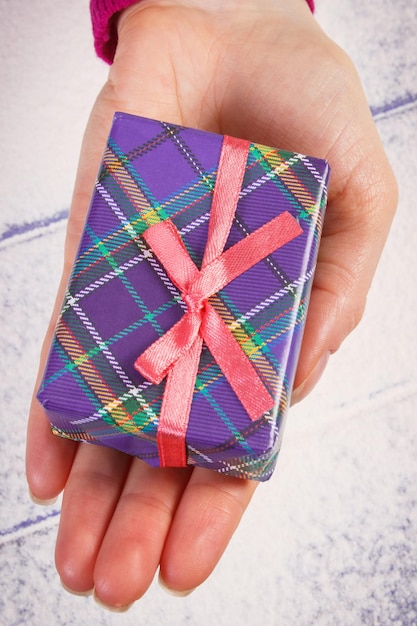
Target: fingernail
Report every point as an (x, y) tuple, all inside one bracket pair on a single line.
[(36, 500), (77, 593), (311, 381), (116, 608), (174, 592)]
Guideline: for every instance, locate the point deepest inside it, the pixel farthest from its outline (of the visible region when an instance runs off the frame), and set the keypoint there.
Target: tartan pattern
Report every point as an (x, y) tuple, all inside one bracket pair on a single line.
[(119, 299)]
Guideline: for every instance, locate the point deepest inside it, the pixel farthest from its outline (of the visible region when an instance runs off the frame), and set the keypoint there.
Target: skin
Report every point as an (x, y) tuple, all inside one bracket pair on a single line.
[(262, 70)]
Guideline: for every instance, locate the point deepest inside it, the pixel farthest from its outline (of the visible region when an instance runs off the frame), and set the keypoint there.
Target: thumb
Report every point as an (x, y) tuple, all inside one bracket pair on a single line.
[(359, 214)]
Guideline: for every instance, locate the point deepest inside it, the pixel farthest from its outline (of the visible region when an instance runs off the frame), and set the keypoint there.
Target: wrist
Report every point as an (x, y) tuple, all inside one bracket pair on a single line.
[(105, 13)]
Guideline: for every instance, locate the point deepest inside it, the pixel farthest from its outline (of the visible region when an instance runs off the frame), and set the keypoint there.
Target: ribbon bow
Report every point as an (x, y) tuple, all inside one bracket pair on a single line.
[(176, 354)]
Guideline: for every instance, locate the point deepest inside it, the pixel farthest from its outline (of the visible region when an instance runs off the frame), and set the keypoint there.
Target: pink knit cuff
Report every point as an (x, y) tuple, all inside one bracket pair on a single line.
[(103, 13)]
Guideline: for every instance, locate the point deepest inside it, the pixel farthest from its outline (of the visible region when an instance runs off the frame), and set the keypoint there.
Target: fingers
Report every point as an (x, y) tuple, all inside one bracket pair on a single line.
[(207, 516), (130, 553), (48, 458), (362, 203), (91, 495), (120, 521)]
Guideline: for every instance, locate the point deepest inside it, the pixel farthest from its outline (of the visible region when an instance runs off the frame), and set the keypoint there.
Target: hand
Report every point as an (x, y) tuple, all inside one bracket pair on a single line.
[(262, 70)]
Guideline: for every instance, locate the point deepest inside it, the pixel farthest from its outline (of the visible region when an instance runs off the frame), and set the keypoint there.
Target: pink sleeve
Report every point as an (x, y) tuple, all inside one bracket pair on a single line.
[(103, 13)]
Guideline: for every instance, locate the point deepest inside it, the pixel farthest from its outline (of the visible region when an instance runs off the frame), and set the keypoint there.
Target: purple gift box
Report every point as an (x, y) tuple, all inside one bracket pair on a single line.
[(121, 299)]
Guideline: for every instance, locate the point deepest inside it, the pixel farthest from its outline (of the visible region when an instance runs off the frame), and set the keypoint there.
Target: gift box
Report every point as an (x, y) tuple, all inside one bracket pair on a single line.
[(182, 322)]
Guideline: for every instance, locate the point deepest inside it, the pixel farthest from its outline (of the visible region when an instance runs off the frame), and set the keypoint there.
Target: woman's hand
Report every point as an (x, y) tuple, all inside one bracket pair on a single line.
[(257, 69)]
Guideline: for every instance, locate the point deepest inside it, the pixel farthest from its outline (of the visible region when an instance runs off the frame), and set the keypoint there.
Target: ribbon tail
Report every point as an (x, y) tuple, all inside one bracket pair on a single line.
[(155, 362), (176, 405), (235, 365)]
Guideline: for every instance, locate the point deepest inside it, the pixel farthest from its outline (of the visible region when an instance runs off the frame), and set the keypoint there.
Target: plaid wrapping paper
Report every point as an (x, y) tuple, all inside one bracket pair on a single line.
[(119, 299)]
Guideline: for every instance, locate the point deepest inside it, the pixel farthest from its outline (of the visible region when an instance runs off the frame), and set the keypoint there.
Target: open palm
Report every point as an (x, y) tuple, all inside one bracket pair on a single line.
[(265, 72)]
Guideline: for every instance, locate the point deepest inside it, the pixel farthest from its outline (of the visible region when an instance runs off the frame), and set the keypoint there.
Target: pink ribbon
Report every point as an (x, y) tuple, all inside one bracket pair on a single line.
[(176, 354)]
